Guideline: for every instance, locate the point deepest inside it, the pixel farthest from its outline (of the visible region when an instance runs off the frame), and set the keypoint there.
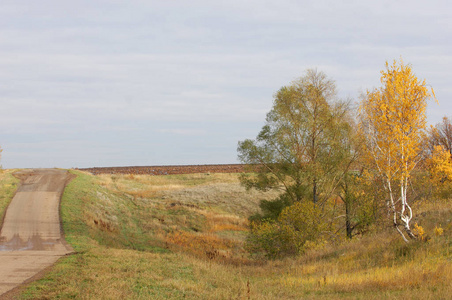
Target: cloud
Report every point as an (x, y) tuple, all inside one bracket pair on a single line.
[(183, 131), (168, 72)]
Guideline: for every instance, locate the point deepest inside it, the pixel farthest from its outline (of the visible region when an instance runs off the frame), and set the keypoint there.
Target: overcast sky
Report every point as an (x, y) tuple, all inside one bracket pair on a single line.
[(122, 83)]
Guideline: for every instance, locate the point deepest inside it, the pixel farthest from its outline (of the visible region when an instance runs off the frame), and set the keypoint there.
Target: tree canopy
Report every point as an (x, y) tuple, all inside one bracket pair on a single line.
[(304, 147)]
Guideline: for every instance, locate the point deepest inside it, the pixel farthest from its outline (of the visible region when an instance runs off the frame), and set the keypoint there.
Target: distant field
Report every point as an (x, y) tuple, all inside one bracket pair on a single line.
[(167, 170)]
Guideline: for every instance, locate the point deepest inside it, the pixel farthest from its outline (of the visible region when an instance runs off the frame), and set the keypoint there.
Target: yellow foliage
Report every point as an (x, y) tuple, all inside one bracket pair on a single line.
[(395, 119), (419, 231), (440, 165), (438, 231)]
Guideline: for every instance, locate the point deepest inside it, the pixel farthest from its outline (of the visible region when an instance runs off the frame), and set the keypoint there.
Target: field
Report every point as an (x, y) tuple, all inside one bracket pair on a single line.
[(168, 170), (181, 237)]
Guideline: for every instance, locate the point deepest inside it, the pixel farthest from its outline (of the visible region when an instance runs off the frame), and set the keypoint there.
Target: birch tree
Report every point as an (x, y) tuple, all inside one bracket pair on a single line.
[(393, 119)]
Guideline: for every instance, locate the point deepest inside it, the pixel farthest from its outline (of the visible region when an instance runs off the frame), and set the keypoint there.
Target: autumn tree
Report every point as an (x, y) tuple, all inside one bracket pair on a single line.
[(302, 149), (393, 119), (441, 135), (440, 164)]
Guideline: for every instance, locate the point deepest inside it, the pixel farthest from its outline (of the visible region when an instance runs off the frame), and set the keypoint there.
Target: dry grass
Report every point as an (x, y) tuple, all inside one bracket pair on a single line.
[(201, 221), (8, 186), (180, 210)]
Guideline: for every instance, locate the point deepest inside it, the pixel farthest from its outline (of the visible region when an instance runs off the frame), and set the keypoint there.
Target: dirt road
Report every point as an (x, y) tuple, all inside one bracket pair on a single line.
[(30, 238)]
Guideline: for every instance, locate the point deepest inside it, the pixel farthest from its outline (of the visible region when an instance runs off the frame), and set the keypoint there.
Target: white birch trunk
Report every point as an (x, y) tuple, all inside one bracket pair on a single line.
[(394, 210)]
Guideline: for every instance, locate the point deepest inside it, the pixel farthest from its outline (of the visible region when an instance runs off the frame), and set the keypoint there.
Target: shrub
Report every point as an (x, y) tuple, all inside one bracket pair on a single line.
[(288, 235)]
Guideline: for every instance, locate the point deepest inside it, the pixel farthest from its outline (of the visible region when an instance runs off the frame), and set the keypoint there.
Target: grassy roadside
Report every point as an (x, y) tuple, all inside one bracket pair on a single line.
[(8, 187), (180, 237)]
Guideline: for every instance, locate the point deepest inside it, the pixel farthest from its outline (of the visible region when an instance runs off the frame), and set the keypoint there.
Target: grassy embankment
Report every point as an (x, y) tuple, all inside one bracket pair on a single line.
[(174, 237), (8, 186)]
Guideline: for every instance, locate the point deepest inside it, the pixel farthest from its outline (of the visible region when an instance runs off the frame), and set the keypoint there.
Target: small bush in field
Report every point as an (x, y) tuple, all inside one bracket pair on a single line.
[(419, 231), (439, 231), (270, 240), (289, 235)]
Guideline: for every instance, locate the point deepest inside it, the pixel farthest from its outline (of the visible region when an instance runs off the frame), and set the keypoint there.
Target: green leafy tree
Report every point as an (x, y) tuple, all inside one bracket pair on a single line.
[(304, 148), (360, 192)]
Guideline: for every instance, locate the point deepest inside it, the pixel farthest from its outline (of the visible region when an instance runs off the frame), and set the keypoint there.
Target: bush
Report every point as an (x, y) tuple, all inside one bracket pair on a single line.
[(288, 235)]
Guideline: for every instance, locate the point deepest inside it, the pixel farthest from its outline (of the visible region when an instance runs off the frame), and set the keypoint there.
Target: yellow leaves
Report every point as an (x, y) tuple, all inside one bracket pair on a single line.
[(440, 165), (419, 231), (438, 230), (395, 118), (434, 95)]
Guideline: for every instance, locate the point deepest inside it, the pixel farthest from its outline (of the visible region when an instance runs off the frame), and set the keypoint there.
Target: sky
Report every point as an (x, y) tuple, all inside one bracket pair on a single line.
[(134, 83)]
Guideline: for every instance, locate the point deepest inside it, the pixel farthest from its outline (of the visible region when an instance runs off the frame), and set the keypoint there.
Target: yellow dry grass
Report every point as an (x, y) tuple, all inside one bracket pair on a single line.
[(202, 220)]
